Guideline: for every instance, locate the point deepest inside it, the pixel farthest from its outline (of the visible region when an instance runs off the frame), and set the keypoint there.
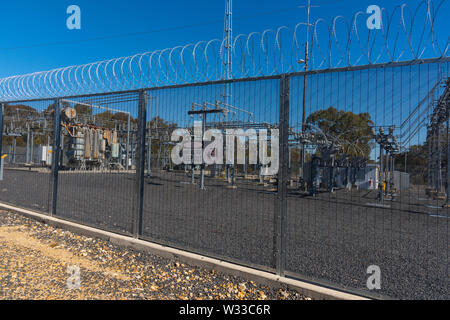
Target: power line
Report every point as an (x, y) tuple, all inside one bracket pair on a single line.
[(133, 34)]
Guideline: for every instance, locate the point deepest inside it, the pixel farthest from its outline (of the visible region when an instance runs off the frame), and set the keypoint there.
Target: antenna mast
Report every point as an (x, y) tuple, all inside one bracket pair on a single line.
[(306, 61)]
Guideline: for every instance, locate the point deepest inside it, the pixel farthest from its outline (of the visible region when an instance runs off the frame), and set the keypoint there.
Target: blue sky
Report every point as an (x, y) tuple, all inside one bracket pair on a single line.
[(29, 29)]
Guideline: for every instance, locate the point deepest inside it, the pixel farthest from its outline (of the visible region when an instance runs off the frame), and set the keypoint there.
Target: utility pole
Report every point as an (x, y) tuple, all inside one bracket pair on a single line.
[(306, 61), (305, 82)]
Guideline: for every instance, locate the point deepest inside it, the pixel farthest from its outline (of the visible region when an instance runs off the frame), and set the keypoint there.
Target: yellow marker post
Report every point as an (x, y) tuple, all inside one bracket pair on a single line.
[(1, 166)]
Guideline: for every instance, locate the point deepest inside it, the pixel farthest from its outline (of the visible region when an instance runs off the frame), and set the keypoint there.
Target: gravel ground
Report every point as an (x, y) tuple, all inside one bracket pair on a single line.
[(331, 238), (34, 261)]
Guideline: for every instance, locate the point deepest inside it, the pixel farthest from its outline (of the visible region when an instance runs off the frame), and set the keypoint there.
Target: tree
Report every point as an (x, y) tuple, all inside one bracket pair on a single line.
[(83, 110), (51, 107), (352, 131), (108, 119), (161, 132), (20, 110), (415, 160)]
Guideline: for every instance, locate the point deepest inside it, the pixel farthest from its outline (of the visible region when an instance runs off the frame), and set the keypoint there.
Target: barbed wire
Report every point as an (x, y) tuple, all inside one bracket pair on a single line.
[(406, 34)]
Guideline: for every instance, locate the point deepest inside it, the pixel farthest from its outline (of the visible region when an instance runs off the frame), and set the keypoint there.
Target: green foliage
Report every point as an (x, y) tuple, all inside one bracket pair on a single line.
[(19, 110), (415, 161), (83, 110), (352, 130), (51, 107), (108, 119), (160, 130), (159, 123)]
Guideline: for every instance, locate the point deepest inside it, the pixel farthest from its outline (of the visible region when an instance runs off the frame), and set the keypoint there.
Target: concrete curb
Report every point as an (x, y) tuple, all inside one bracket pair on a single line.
[(261, 277)]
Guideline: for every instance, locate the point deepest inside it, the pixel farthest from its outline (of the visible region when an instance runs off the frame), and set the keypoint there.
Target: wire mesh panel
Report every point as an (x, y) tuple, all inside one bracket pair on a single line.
[(337, 176), (98, 161), (367, 207), (212, 195), (26, 155)]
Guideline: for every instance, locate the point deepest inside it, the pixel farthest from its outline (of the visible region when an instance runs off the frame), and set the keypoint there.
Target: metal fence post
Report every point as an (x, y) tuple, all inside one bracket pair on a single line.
[(55, 153), (140, 164), (283, 173)]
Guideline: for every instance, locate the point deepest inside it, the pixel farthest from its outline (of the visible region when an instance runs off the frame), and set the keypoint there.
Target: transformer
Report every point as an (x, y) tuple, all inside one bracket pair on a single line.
[(87, 147)]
